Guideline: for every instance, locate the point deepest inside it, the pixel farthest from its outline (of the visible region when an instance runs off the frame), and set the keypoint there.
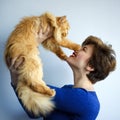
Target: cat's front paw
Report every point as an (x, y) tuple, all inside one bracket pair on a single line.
[(62, 56), (77, 47)]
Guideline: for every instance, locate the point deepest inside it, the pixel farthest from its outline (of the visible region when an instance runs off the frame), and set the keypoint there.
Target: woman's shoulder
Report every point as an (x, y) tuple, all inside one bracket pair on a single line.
[(71, 86), (68, 86)]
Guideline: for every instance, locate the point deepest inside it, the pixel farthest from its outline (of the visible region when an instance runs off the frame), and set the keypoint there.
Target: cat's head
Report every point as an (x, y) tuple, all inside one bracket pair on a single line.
[(60, 25), (61, 31)]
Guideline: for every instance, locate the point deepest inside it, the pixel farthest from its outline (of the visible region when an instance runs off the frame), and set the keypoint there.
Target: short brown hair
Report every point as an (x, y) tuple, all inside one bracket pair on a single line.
[(103, 59)]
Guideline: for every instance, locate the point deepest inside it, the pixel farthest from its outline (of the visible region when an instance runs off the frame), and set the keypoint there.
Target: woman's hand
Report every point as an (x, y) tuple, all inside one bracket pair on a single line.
[(42, 36), (13, 66)]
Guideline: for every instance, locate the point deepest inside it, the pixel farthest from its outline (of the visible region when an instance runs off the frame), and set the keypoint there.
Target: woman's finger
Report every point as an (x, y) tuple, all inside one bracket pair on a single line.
[(18, 62)]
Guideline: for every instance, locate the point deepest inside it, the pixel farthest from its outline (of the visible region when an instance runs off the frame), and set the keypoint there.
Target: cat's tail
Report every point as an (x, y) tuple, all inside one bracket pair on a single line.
[(35, 103)]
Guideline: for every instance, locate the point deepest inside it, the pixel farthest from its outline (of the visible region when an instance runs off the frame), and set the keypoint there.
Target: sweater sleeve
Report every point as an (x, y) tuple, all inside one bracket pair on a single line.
[(30, 114)]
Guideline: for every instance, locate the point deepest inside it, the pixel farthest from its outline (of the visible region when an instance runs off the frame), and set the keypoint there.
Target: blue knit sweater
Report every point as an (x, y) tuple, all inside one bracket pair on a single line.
[(73, 104)]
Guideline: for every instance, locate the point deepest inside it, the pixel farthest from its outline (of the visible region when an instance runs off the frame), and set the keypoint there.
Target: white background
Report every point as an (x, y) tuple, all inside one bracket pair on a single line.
[(86, 17)]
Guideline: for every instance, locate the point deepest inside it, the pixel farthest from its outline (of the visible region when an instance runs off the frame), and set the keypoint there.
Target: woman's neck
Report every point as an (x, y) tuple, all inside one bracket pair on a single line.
[(81, 81)]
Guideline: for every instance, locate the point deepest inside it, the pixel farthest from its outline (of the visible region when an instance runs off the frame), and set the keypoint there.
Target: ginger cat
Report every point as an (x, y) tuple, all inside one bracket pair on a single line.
[(34, 94)]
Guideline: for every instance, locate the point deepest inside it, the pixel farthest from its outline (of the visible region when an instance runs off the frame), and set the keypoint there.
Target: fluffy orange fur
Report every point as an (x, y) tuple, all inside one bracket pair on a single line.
[(23, 42)]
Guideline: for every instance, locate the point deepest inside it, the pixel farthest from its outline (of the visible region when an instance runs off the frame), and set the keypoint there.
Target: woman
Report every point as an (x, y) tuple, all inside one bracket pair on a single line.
[(92, 63)]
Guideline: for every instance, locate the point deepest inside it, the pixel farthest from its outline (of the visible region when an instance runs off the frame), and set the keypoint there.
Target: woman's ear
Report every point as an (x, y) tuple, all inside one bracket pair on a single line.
[(89, 68)]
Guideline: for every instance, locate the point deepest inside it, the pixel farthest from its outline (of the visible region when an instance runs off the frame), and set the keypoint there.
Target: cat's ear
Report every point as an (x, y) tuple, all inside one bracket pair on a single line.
[(52, 19), (61, 19)]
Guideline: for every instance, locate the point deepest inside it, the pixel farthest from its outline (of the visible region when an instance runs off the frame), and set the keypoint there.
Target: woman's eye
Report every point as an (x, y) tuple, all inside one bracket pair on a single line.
[(84, 49)]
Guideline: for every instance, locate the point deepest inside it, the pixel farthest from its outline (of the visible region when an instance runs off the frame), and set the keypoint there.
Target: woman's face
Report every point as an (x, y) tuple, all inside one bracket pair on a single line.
[(79, 59)]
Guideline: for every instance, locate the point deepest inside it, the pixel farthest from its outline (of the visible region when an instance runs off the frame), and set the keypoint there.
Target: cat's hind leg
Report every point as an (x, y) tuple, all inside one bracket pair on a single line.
[(42, 88)]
